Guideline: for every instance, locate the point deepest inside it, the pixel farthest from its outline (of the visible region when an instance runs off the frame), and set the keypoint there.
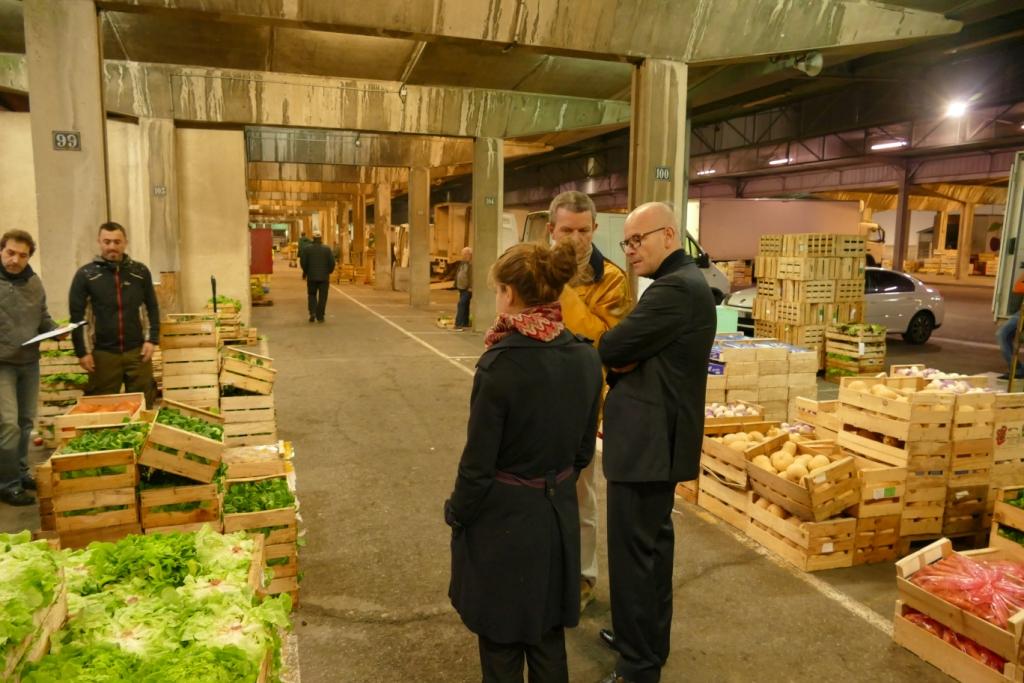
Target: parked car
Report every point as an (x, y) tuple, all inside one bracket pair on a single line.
[(901, 302)]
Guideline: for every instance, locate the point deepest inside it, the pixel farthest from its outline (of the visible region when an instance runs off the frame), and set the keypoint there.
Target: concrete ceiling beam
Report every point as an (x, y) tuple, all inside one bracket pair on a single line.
[(271, 170), (693, 31), (315, 186)]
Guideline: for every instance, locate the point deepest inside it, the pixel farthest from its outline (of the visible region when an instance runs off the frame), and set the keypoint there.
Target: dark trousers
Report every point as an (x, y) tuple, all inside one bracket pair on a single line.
[(462, 310), (316, 290), (115, 369), (640, 558), (503, 662)]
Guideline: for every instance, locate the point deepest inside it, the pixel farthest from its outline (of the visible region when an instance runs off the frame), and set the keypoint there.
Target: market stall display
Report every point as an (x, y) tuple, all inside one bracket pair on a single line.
[(61, 383), (767, 372)]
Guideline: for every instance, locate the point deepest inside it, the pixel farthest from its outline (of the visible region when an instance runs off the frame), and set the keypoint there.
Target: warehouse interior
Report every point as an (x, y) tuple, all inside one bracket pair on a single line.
[(401, 132)]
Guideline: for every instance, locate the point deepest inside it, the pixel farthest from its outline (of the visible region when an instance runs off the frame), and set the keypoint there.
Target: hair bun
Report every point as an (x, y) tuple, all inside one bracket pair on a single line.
[(561, 266)]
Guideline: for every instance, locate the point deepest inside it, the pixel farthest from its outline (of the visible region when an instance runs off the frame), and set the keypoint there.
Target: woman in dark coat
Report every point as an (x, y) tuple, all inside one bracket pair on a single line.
[(513, 513)]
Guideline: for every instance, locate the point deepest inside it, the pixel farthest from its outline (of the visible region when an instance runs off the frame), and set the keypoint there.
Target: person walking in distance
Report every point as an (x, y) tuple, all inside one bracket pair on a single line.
[(464, 283), (593, 302), (653, 426), (117, 288), (317, 265), (23, 315)]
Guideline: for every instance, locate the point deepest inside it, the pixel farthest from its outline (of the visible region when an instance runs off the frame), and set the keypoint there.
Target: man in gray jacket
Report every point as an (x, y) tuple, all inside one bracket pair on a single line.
[(23, 315)]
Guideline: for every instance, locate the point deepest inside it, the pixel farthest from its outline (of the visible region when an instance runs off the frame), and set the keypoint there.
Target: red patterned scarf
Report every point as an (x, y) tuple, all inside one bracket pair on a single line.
[(543, 323)]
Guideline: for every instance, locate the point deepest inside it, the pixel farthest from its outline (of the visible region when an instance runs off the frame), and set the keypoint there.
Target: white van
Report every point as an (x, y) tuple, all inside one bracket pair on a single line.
[(607, 238)]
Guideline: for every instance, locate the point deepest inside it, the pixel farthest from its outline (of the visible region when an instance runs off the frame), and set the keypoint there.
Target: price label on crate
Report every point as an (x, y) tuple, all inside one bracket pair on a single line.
[(888, 492), (826, 548)]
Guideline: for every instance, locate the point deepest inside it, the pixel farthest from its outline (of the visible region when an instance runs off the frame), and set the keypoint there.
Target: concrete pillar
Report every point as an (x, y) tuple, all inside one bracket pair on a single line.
[(964, 241), (939, 245), (64, 63), (658, 140), (419, 237), (382, 234), (488, 205), (161, 194), (345, 220), (899, 247), (359, 231)]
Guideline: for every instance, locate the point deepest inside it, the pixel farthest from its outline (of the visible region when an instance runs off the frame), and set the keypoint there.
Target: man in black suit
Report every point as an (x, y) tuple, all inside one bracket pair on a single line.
[(653, 427)]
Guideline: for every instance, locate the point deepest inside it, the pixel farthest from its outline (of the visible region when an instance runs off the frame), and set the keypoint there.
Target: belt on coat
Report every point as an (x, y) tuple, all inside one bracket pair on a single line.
[(548, 482)]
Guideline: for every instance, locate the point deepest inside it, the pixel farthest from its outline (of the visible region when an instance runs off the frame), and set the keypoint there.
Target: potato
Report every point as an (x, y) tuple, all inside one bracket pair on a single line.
[(795, 471), (755, 436), (790, 447), (804, 460), (762, 503), (764, 462), (857, 385), (729, 438), (777, 511), (883, 391), (739, 446), (796, 438), (781, 460), (819, 461), (773, 432)]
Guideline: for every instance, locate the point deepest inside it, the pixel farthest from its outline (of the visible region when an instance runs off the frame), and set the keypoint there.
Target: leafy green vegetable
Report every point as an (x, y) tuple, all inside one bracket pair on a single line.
[(99, 663), (254, 496), (1012, 534), (131, 435), (207, 664), (173, 417), (93, 511), (76, 378), (861, 329), (58, 353), (1018, 501), (30, 575), (222, 299), (163, 562)]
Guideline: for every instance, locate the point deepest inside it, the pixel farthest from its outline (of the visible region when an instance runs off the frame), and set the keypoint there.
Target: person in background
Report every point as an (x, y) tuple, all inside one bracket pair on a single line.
[(23, 315), (317, 265), (303, 243), (464, 283), (593, 302), (117, 288), (1008, 330), (653, 426), (513, 512)]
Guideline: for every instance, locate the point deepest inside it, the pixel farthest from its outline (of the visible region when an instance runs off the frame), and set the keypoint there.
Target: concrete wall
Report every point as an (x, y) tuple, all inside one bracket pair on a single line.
[(214, 216), (127, 194), (919, 220), (17, 178)]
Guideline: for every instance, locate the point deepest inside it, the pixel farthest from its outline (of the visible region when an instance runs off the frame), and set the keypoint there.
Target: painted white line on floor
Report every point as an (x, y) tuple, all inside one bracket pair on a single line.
[(964, 342), (407, 333), (845, 601)]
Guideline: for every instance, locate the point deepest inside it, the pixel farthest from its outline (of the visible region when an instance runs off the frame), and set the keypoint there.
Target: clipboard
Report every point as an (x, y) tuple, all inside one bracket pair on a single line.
[(55, 333)]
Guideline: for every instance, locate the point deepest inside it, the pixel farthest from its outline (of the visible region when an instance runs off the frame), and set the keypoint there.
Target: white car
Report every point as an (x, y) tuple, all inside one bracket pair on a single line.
[(901, 302)]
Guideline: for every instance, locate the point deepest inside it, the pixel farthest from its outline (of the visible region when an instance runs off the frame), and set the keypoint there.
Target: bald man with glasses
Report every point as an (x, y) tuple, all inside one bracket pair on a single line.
[(653, 426)]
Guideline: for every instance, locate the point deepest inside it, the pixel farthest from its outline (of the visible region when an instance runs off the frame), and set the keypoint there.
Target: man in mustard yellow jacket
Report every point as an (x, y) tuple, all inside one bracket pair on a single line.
[(592, 303)]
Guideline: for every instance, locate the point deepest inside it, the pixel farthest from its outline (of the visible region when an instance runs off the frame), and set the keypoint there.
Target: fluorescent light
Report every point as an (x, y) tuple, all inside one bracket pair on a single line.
[(779, 162), (707, 171), (894, 144), (956, 109)]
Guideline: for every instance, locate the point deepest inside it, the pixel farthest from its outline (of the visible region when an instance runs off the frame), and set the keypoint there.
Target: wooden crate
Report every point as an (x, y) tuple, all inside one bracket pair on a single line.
[(803, 361), (713, 422), (1010, 516), (248, 371), (730, 465), (250, 433), (204, 494), (822, 415), (849, 290), (183, 453), (251, 521), (970, 462), (67, 426), (800, 268), (766, 266), (191, 361), (974, 416), (34, 646), (850, 246), (924, 507), (809, 244), (200, 391), (965, 509), (686, 491), (236, 409), (858, 346), (769, 288), (882, 489), (843, 312), (810, 546), (877, 540), (723, 499), (285, 576), (52, 365), (188, 334), (770, 244), (801, 313), (851, 268), (808, 291), (831, 490), (1004, 642), (67, 463), (105, 498)]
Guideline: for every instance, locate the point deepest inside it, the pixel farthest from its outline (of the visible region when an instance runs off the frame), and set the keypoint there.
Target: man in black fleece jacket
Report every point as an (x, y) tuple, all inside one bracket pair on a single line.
[(116, 287)]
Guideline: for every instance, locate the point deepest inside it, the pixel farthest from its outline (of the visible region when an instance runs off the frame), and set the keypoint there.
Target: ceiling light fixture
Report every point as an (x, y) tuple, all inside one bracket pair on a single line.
[(956, 109), (893, 144), (779, 162), (707, 171)]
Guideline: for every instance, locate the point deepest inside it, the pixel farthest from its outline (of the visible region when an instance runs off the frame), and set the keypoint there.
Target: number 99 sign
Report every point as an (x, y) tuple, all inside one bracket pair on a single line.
[(67, 141)]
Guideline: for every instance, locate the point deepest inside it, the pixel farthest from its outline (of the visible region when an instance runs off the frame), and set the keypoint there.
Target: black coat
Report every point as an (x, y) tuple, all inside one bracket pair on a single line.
[(515, 551), (317, 262), (654, 415), (117, 318)]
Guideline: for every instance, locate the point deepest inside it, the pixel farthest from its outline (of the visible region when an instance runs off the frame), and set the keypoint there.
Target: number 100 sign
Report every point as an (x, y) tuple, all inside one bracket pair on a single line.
[(67, 141)]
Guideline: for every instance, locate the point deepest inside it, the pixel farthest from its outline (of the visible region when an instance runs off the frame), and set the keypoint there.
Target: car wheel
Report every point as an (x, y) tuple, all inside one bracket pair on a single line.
[(920, 328), (719, 297)]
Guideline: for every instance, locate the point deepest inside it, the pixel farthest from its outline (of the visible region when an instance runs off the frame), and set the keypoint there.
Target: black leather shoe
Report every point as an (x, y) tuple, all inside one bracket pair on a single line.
[(28, 482), (17, 497), (312, 319), (608, 638)]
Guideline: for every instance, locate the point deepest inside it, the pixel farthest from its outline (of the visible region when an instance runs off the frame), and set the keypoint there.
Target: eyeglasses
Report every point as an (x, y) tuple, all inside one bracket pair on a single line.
[(636, 240)]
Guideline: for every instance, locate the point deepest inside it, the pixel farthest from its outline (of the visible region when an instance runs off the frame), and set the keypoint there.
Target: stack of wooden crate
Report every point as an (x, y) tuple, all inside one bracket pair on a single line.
[(852, 350), (739, 273), (191, 360), (807, 282), (247, 401), (768, 372), (57, 358)]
